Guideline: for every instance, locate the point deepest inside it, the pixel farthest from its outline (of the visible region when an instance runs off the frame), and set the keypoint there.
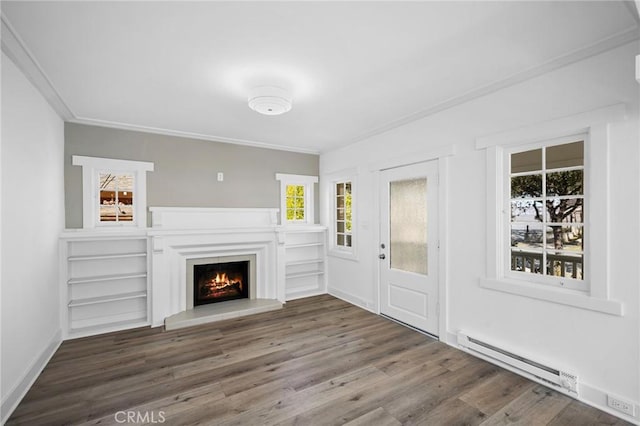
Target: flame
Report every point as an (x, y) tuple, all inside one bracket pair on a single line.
[(222, 280)]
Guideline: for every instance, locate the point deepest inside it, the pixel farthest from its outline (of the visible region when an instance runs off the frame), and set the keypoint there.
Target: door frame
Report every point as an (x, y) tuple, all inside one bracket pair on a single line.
[(441, 156)]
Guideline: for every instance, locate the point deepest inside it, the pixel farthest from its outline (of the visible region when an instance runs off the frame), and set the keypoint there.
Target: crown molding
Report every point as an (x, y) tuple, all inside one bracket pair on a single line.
[(627, 36), (15, 48), (190, 135)]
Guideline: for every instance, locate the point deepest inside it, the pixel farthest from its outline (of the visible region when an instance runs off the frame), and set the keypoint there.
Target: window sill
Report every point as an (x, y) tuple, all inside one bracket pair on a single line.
[(342, 254), (550, 294)]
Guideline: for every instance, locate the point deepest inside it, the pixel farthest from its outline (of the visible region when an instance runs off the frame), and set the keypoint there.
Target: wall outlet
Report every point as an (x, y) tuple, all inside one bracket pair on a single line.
[(621, 405), (220, 176)]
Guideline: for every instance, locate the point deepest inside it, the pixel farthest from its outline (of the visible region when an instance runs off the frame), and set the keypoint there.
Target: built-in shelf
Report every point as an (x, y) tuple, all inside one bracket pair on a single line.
[(305, 274), (107, 299), (305, 258), (295, 246), (104, 282), (110, 326), (106, 256), (304, 262), (113, 277)]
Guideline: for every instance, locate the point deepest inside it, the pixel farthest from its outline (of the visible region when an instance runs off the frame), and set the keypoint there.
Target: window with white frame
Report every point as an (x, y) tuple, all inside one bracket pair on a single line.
[(548, 210), (343, 197), (296, 198), (113, 191), (546, 201)]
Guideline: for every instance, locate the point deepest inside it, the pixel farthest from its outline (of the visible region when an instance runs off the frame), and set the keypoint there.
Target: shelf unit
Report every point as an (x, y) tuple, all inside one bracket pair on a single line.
[(305, 261), (104, 279)]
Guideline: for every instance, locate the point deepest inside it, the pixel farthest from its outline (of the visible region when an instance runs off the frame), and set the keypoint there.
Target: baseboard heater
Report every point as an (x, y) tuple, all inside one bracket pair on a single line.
[(561, 380)]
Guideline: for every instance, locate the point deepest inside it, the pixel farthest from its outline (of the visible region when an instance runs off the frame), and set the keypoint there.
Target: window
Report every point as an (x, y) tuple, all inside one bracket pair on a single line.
[(296, 198), (116, 197), (114, 192), (295, 203), (546, 203), (344, 215), (559, 188)]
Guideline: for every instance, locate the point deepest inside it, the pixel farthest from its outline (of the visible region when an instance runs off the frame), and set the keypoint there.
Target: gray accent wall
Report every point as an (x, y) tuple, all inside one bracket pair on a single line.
[(186, 169)]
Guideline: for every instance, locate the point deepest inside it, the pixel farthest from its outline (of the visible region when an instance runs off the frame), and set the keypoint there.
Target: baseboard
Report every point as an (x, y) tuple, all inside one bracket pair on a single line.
[(354, 300), (590, 395), (11, 400)]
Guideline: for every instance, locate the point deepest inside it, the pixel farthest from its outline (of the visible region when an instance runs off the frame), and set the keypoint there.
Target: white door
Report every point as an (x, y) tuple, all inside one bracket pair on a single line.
[(408, 247)]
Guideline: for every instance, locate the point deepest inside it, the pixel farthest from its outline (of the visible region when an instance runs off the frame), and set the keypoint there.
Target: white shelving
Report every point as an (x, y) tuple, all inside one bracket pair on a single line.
[(104, 282), (305, 258)]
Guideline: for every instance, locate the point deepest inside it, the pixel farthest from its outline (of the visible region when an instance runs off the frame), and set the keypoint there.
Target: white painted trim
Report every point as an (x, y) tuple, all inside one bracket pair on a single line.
[(111, 163), (333, 250), (443, 238), (13, 397), (413, 158), (565, 126), (296, 178), (354, 300), (638, 68), (595, 124), (552, 294), (309, 197), (16, 49), (91, 166), (626, 36), (190, 135)]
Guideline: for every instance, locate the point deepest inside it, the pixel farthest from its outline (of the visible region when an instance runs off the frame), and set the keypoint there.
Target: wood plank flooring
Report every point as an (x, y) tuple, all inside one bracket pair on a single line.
[(318, 361)]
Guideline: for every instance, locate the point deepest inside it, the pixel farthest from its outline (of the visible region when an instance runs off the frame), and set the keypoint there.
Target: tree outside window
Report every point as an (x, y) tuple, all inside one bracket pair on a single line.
[(547, 210), (295, 202), (344, 214)]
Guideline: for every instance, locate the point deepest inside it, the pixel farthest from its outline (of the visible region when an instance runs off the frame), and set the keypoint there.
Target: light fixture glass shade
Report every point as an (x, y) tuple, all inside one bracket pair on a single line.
[(270, 100)]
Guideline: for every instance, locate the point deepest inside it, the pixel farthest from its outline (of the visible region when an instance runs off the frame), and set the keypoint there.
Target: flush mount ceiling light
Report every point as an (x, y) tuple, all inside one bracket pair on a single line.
[(270, 100)]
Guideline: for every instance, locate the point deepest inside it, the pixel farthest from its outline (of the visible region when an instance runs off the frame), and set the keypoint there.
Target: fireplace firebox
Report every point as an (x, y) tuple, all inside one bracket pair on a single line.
[(218, 282)]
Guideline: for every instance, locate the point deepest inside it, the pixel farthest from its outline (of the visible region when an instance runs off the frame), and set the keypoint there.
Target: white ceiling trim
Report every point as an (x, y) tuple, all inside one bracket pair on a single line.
[(617, 40), (15, 48), (190, 135)]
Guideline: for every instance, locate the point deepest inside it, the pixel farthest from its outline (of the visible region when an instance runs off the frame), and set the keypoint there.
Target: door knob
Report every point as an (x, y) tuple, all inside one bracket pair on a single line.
[(381, 256)]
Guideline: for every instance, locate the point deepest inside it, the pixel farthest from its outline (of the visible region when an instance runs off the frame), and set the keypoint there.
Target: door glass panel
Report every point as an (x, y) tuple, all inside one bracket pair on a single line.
[(408, 225)]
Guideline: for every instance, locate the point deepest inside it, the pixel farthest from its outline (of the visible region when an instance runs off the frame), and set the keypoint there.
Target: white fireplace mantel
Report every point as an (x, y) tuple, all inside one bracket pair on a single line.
[(179, 234)]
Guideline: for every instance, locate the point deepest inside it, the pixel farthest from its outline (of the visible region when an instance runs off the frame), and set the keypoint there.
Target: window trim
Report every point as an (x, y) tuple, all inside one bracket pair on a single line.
[(301, 180), (91, 169), (334, 249), (595, 124)]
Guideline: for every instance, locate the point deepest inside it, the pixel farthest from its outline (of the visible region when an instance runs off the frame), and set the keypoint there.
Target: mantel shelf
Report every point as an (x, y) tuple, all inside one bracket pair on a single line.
[(105, 299)]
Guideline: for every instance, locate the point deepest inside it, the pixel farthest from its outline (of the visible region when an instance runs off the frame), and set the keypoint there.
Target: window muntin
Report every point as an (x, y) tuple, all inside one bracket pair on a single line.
[(114, 192), (116, 197), (344, 215), (295, 201), (546, 228)]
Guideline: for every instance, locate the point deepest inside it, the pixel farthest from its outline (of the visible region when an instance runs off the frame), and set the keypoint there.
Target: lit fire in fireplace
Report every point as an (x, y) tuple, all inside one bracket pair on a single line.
[(222, 285), (218, 282)]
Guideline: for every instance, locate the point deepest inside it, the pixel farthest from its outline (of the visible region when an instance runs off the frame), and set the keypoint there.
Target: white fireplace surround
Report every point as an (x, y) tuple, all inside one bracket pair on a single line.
[(180, 234)]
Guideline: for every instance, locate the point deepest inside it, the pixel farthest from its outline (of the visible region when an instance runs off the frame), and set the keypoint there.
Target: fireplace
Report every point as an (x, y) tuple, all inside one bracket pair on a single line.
[(218, 282), (220, 278)]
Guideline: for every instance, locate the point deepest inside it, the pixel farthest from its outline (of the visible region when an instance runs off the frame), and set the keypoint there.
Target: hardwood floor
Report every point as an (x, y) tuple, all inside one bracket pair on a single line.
[(317, 361)]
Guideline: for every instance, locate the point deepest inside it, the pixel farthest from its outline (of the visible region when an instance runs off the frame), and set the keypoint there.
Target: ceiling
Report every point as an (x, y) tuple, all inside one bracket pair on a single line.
[(355, 68)]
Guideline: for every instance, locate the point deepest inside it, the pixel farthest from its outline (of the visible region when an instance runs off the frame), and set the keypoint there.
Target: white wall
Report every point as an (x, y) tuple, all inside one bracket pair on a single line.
[(32, 218), (602, 349)]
